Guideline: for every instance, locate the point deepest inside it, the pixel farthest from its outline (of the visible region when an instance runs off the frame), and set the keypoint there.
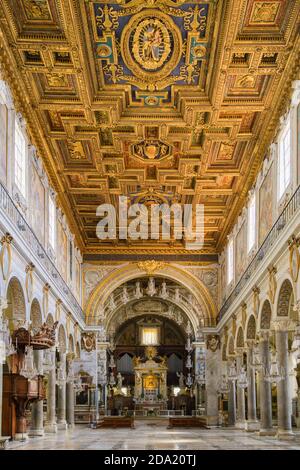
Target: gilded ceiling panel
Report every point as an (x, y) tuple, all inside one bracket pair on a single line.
[(160, 100)]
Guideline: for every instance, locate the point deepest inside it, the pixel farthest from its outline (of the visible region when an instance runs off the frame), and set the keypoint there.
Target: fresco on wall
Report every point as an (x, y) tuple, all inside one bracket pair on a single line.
[(3, 143), (266, 206), (38, 206), (62, 252), (240, 252)]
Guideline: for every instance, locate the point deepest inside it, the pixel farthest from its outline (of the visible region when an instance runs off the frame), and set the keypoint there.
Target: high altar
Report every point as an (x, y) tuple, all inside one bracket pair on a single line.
[(150, 389)]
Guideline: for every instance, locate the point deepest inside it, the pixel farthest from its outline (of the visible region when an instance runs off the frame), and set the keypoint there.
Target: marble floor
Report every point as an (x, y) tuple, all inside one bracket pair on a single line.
[(154, 435)]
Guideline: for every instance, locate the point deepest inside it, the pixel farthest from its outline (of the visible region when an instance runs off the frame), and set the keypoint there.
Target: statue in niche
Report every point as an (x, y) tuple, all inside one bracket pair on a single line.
[(164, 291), (125, 297), (177, 295), (151, 287), (138, 292)]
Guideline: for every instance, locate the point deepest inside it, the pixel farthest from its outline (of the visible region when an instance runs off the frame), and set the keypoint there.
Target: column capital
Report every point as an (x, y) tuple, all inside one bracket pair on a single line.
[(285, 324), (250, 343)]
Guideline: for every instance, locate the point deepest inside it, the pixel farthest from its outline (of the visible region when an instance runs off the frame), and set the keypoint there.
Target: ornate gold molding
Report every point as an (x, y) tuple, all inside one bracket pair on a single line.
[(151, 266)]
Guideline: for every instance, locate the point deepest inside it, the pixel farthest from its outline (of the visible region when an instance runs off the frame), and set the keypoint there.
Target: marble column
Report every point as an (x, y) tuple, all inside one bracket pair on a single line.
[(283, 396), (232, 403), (70, 405), (51, 426), (70, 399), (61, 397), (251, 424), (265, 391), (240, 392), (213, 363), (37, 411)]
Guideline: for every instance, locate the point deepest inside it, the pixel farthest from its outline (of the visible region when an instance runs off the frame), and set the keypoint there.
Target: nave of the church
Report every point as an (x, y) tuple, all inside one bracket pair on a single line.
[(149, 224)]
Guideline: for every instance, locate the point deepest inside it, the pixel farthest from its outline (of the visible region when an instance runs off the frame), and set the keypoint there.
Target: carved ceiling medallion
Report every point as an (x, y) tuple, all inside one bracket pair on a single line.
[(149, 150), (151, 45)]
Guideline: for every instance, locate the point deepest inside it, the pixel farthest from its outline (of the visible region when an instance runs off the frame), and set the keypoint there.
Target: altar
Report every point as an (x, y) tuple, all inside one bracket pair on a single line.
[(150, 388)]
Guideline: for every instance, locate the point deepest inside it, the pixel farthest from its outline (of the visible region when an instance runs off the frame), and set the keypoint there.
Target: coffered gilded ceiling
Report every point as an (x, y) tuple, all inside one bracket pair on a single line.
[(159, 100)]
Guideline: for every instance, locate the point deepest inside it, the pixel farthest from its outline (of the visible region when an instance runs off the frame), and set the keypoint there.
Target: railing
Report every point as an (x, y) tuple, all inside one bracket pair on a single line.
[(286, 215), (34, 246)]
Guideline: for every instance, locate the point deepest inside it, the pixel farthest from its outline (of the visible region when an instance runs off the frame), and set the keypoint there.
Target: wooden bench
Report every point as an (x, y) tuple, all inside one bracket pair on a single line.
[(187, 422), (116, 422)]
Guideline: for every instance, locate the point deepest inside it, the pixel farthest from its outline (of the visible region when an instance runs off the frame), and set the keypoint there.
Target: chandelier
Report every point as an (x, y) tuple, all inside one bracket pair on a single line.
[(256, 361), (223, 385), (70, 374), (28, 369), (274, 373), (3, 336), (189, 380), (188, 346), (61, 376), (189, 364), (10, 347), (232, 372), (242, 381), (6, 346), (48, 362), (111, 363)]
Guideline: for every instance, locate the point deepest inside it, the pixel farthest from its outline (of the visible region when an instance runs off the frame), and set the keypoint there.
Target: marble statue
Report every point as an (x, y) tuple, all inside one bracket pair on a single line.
[(125, 297), (138, 292), (119, 381), (151, 287), (164, 292), (181, 379)]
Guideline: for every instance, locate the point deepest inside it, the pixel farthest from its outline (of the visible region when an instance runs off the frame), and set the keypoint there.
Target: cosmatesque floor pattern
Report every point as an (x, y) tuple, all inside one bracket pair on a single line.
[(154, 436)]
